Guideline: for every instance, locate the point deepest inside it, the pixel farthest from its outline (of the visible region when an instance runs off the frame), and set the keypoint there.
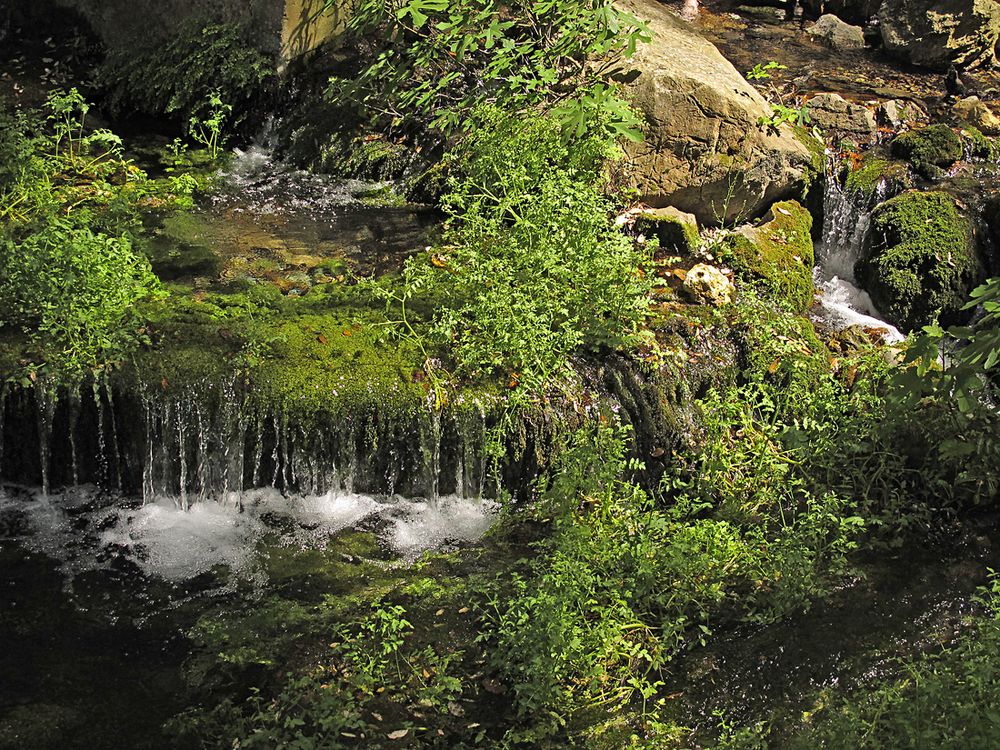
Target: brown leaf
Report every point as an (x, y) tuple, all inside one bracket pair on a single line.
[(347, 332), (398, 734), (773, 367), (438, 262), (657, 452), (321, 339)]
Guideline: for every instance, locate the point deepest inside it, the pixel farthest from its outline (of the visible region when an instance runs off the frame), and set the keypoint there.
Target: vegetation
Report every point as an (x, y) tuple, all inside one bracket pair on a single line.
[(923, 260), (929, 149)]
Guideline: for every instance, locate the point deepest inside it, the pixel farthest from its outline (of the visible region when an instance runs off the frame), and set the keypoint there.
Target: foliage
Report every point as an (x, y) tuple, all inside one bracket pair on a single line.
[(625, 582), (435, 62), (206, 129), (69, 273), (171, 78), (531, 268), (945, 392), (943, 700)]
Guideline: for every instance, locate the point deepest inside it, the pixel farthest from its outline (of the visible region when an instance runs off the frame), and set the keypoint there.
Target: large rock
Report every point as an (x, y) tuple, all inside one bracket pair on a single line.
[(938, 33), (834, 114), (837, 34), (858, 12), (705, 150), (976, 113)]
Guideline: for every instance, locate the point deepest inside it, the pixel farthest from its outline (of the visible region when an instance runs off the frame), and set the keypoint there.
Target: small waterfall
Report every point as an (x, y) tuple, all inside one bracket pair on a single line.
[(845, 228), (46, 398)]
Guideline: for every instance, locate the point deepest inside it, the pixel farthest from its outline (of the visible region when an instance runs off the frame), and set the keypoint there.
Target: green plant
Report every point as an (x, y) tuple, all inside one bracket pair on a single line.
[(531, 268), (206, 129), (434, 62)]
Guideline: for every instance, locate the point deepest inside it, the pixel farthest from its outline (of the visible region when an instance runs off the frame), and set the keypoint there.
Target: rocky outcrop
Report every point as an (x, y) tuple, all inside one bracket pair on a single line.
[(972, 111), (938, 33), (705, 150), (837, 34)]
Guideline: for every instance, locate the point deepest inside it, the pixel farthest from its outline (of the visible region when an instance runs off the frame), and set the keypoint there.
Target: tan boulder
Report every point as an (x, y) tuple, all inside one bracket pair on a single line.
[(705, 150)]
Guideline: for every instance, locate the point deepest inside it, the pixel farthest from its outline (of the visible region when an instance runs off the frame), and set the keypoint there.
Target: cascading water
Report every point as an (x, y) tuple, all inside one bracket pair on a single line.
[(840, 302)]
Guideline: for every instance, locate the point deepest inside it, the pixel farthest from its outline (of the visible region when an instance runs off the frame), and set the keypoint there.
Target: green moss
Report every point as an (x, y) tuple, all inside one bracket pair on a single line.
[(817, 152), (980, 146), (776, 257), (877, 179), (674, 229), (922, 259), (929, 149)]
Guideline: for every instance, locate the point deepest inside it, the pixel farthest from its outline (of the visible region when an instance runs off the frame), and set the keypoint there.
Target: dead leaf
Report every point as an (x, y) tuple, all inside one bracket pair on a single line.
[(398, 734), (347, 332), (773, 367), (321, 339)]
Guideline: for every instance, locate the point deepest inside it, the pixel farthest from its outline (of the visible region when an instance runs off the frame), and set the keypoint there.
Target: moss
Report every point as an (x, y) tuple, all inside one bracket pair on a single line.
[(674, 229), (979, 146), (877, 178), (929, 149), (776, 257), (922, 260), (817, 153)]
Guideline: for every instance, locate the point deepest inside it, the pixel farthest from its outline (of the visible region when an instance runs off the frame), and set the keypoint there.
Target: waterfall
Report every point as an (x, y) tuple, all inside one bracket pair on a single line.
[(840, 303)]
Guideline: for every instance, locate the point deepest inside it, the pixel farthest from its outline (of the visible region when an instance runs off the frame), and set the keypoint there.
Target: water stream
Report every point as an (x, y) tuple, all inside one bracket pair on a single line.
[(840, 302)]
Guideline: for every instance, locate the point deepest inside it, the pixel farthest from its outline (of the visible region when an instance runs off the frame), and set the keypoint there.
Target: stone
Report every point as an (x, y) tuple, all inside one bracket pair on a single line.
[(836, 34), (858, 12), (929, 149), (776, 256), (972, 111), (938, 33), (705, 150), (674, 229), (708, 285), (762, 13), (834, 114), (921, 259), (896, 113)]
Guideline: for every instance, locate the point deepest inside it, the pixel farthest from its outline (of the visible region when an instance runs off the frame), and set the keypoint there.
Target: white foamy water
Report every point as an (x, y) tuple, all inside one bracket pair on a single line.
[(840, 303), (85, 533)]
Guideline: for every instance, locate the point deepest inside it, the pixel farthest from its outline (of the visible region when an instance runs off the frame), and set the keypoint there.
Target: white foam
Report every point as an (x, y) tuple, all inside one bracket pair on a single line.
[(166, 541), (842, 304)]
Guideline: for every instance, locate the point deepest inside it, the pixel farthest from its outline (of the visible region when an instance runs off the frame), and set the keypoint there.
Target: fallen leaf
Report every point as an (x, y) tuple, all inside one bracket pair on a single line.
[(347, 332), (398, 734), (321, 339)]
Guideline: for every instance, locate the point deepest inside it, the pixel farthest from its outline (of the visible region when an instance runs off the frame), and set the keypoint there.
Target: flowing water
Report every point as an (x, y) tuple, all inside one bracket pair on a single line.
[(840, 302)]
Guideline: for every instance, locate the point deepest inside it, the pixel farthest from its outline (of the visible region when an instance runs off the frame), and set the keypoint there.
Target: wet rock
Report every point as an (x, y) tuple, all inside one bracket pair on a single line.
[(776, 256), (836, 34), (922, 260), (896, 113), (705, 150), (675, 229), (929, 149), (937, 33), (834, 114), (706, 284), (972, 111), (877, 179), (765, 13)]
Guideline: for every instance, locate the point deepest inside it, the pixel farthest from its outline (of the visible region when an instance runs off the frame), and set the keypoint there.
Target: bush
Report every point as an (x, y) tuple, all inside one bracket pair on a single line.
[(76, 289), (531, 268)]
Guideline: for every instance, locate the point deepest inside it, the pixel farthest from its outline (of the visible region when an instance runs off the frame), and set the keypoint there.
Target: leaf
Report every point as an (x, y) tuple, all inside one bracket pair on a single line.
[(398, 734)]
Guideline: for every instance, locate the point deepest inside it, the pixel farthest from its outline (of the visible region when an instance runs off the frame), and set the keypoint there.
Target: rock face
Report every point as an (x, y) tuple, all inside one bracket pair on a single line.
[(836, 34), (705, 151), (775, 257), (834, 114), (937, 33)]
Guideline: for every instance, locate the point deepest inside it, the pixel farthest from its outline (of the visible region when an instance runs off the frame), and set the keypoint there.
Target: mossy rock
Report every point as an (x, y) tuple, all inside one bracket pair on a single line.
[(676, 230), (922, 259), (929, 149), (775, 257), (980, 147), (877, 179)]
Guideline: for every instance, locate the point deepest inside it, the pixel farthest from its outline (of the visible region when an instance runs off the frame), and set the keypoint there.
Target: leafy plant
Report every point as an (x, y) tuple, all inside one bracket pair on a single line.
[(434, 62), (206, 129)]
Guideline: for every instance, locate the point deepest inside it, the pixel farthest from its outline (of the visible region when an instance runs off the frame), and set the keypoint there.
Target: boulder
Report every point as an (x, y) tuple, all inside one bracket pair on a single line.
[(838, 35), (708, 285), (776, 256), (834, 114), (896, 113), (972, 111), (706, 151), (938, 33), (921, 259), (674, 229), (929, 149), (858, 12)]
